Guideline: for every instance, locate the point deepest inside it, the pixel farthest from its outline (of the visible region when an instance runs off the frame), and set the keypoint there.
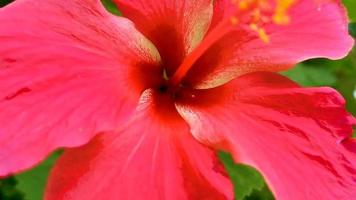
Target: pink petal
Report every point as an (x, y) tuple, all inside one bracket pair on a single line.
[(175, 27), (316, 29), (67, 71), (298, 138), (152, 157)]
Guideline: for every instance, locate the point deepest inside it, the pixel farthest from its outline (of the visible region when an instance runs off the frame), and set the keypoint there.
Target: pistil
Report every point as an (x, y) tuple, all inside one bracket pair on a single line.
[(252, 13), (217, 33)]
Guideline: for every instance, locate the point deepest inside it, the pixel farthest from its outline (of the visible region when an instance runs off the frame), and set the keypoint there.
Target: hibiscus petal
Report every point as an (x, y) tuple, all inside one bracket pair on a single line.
[(152, 157), (316, 29), (68, 70), (298, 138), (175, 27)]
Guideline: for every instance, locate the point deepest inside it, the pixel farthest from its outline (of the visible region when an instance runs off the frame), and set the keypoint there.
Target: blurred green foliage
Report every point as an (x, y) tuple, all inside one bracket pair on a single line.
[(4, 2), (352, 29), (111, 7), (340, 74), (8, 190), (248, 183), (30, 184), (351, 7), (29, 181)]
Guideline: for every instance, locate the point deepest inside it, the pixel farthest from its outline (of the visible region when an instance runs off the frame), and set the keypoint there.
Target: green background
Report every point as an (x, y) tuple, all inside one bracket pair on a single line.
[(248, 183)]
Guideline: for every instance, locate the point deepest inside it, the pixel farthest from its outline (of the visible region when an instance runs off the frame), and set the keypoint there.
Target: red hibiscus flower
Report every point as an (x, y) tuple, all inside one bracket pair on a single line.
[(144, 102)]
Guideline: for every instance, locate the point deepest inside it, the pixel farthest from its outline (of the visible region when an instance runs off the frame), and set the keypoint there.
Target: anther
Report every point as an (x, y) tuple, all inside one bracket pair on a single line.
[(234, 20), (243, 5), (281, 16), (255, 13), (165, 75), (261, 32)]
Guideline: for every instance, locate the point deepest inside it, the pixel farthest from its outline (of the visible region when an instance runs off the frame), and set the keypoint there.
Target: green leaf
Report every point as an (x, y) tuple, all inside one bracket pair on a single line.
[(263, 194), (352, 29), (311, 76), (338, 74), (8, 190), (111, 7), (246, 179), (32, 183), (5, 2), (351, 7)]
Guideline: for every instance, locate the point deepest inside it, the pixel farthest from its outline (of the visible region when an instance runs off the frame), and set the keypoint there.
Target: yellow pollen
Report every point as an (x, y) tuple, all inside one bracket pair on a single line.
[(234, 20), (254, 27), (257, 13), (243, 5), (281, 11), (261, 32), (263, 35)]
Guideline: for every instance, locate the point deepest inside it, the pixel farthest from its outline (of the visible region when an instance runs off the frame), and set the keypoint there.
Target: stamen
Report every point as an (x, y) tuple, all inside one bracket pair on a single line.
[(281, 16), (254, 13), (217, 33), (261, 32), (234, 20), (243, 5), (165, 75)]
